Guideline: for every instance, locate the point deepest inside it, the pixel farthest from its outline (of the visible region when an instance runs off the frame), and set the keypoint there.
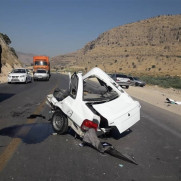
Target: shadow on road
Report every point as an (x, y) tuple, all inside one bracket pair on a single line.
[(115, 134), (33, 116), (4, 96), (29, 133)]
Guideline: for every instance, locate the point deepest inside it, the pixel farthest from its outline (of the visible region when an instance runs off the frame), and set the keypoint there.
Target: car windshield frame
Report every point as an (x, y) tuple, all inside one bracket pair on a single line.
[(121, 75), (97, 90), (41, 71), (19, 71), (41, 62)]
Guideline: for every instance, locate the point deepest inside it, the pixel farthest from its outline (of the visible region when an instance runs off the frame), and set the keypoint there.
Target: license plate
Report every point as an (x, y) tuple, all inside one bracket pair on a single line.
[(15, 80)]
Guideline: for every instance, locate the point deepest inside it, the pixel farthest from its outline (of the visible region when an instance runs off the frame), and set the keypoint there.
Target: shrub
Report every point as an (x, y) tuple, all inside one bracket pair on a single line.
[(153, 66), (6, 38), (163, 81)]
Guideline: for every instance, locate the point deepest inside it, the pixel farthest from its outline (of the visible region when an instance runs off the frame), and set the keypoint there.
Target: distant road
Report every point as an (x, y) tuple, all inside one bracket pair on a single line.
[(29, 151)]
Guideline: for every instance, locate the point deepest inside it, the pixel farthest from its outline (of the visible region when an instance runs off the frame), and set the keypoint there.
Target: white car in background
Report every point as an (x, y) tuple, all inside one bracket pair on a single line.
[(41, 74), (20, 75)]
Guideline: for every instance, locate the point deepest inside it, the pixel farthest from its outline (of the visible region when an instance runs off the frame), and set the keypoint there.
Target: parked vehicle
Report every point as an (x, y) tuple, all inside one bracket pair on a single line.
[(41, 62), (20, 75), (93, 101), (41, 74), (136, 81), (121, 79)]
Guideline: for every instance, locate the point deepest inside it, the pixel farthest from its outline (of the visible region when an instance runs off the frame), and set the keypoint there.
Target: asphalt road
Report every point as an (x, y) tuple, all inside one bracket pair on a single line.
[(30, 152)]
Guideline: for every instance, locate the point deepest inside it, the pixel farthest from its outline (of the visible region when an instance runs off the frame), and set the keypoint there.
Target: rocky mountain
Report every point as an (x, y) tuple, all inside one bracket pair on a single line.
[(147, 47), (25, 58), (9, 59)]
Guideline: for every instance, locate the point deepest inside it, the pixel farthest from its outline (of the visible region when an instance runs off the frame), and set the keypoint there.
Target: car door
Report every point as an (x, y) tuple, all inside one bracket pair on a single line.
[(73, 105)]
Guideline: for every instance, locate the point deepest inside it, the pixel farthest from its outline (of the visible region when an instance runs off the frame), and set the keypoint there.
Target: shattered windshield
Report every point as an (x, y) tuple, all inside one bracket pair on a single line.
[(95, 89)]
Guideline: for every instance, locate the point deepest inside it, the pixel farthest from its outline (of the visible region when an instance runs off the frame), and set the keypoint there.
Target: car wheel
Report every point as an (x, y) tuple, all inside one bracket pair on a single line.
[(127, 86), (9, 82), (59, 122), (136, 84), (26, 81)]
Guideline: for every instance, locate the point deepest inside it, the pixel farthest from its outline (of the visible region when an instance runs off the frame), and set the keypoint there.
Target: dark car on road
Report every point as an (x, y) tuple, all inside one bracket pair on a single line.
[(135, 81)]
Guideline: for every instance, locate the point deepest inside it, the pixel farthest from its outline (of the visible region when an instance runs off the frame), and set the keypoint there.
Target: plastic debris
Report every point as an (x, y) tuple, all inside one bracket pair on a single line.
[(106, 144), (120, 165), (81, 144), (54, 134), (91, 138), (171, 101)]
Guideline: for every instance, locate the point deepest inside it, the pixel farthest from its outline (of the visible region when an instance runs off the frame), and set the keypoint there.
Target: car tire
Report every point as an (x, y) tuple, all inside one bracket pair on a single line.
[(26, 81), (127, 87), (60, 122), (136, 84)]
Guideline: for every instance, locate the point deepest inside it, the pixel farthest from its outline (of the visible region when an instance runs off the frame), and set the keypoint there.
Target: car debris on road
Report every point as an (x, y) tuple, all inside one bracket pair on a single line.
[(94, 104), (171, 101), (91, 138)]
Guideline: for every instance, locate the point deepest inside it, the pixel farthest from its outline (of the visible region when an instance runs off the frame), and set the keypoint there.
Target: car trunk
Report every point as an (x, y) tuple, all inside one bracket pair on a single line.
[(122, 112)]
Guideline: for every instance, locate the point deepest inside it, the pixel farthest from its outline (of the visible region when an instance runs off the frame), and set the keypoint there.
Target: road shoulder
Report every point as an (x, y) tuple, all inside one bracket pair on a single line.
[(157, 96)]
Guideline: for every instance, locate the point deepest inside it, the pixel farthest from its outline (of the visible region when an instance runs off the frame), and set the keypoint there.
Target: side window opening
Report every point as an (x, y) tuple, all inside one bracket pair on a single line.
[(74, 86)]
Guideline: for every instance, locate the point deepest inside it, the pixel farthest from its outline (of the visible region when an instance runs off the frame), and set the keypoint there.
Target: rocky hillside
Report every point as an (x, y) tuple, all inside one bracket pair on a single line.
[(25, 58), (9, 60), (149, 47)]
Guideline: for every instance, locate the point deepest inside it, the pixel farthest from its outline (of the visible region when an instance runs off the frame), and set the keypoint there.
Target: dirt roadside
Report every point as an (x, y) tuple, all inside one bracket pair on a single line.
[(157, 96)]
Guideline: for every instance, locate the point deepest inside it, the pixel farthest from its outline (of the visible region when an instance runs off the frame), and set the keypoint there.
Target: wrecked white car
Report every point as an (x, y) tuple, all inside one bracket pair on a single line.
[(93, 101)]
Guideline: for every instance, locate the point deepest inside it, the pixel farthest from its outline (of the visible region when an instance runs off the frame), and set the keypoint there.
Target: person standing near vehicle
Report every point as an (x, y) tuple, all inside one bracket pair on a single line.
[(0, 58)]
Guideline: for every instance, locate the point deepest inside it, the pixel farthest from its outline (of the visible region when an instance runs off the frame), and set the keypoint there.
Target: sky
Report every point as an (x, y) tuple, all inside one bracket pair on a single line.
[(56, 27)]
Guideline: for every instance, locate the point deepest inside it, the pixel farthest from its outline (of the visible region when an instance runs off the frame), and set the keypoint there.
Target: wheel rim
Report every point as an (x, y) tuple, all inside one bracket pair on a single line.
[(58, 122)]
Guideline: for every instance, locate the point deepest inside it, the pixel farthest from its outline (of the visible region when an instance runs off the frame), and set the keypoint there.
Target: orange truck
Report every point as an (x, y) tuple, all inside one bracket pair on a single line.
[(41, 62)]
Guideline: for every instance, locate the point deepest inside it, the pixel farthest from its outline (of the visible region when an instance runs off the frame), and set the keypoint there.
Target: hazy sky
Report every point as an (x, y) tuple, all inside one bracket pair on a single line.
[(54, 27)]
